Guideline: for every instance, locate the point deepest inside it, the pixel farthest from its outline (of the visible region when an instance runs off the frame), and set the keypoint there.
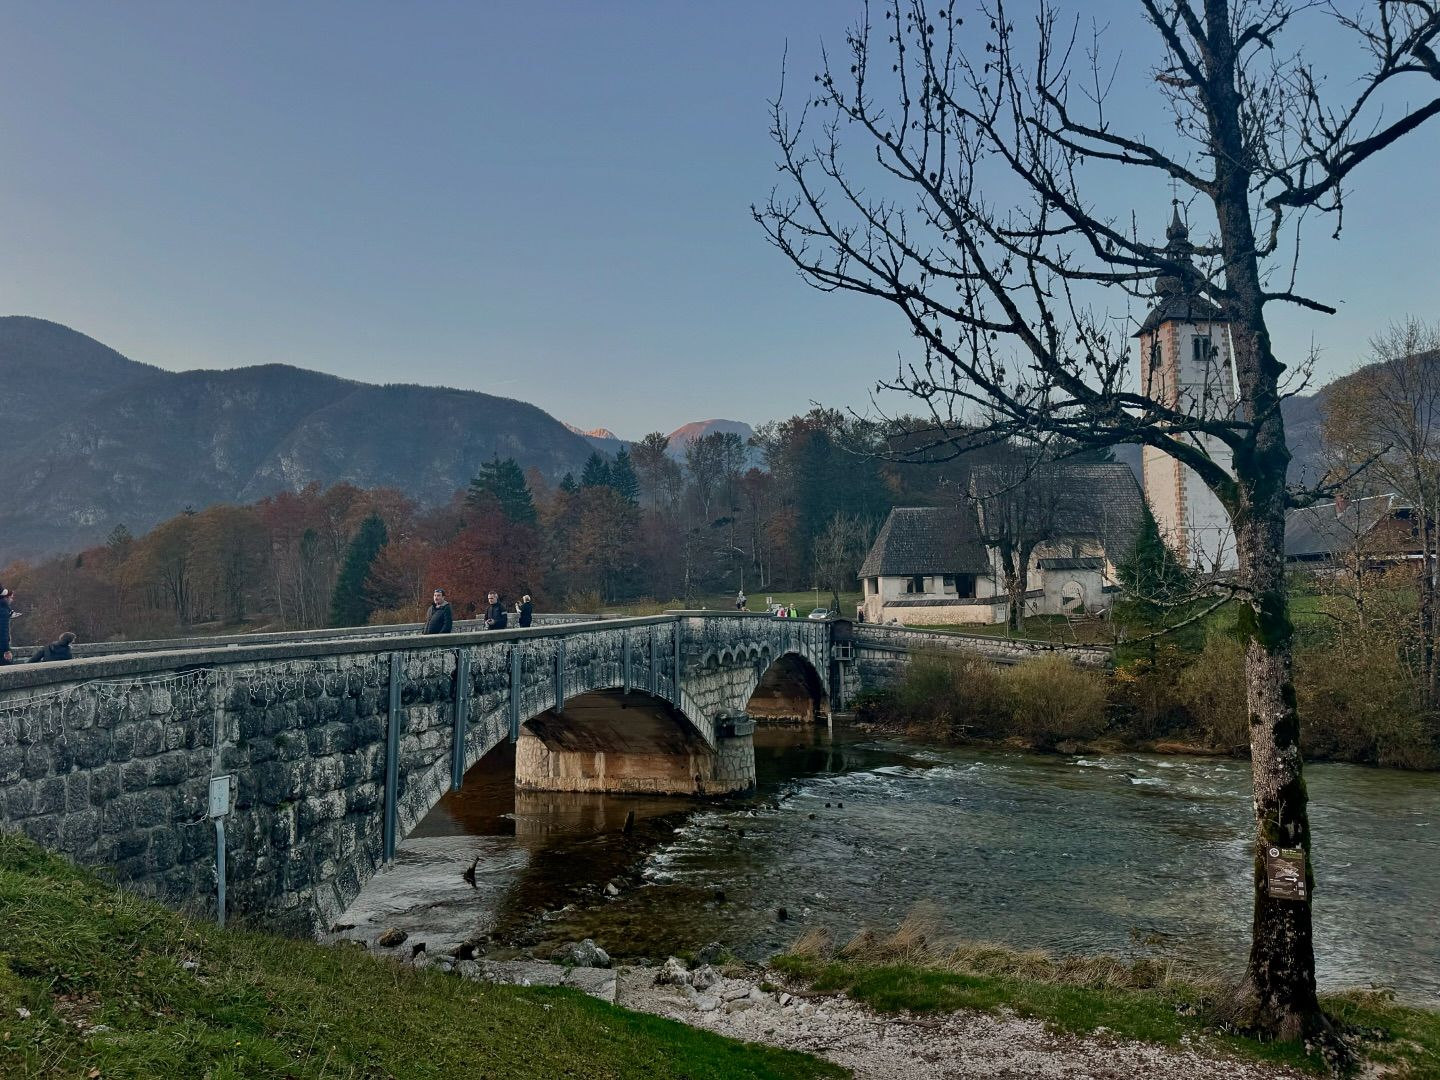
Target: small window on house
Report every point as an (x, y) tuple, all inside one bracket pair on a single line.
[(964, 584), (1204, 349), (948, 582), (915, 584)]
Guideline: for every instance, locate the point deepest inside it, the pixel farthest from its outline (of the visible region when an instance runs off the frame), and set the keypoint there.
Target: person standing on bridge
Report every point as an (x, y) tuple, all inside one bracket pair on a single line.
[(495, 617), (56, 650), (7, 612), (439, 619), (525, 610)]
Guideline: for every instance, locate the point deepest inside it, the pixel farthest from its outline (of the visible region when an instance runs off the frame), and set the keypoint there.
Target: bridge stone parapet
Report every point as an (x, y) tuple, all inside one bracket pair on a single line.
[(339, 745), (879, 654)]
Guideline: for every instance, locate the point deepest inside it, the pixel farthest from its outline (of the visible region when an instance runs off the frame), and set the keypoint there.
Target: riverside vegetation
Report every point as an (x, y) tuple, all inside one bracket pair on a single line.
[(914, 971), (100, 983), (1357, 681)]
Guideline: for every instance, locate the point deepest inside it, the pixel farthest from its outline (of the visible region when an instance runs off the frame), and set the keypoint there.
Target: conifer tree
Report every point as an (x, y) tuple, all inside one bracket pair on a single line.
[(1154, 580), (568, 484), (505, 483), (596, 472), (623, 478), (349, 606)]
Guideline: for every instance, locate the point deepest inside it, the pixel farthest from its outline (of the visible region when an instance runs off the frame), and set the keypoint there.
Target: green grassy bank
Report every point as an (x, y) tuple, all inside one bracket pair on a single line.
[(97, 983), (1145, 1000)]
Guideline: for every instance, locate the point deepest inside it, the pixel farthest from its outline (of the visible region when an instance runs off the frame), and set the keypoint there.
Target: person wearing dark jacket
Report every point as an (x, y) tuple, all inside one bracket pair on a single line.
[(6, 613), (526, 610), (495, 617), (439, 618), (56, 650)]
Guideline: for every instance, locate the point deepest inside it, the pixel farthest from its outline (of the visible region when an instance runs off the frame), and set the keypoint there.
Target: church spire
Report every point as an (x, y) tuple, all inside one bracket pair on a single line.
[(1179, 249)]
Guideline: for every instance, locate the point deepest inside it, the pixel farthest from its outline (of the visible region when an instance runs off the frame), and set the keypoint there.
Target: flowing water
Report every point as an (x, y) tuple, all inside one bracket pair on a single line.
[(1132, 854)]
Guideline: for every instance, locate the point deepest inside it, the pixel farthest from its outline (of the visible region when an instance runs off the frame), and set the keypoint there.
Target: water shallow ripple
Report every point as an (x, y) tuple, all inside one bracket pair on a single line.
[(1130, 854)]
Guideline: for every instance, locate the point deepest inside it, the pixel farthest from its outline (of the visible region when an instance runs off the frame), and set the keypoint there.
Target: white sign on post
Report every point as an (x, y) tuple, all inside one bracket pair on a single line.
[(220, 795)]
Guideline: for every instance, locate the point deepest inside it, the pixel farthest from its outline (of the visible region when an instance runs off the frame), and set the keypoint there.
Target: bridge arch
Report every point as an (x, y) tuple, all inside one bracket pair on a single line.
[(788, 689)]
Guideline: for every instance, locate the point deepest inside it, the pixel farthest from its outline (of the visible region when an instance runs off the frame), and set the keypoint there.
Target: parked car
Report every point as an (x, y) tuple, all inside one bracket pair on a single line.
[(820, 613)]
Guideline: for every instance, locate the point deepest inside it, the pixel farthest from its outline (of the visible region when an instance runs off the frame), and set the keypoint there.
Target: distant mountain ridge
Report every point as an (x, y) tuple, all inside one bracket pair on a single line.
[(93, 439)]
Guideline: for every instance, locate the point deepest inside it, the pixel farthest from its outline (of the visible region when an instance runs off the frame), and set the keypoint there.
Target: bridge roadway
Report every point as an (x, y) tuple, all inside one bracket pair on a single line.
[(339, 742)]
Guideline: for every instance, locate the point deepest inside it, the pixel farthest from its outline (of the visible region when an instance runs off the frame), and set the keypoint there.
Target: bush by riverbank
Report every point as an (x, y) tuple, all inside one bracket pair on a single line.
[(913, 971), (1355, 699), (97, 982)]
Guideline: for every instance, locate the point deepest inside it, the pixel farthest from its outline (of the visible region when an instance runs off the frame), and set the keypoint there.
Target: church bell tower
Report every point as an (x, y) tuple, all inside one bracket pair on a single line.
[(1185, 363)]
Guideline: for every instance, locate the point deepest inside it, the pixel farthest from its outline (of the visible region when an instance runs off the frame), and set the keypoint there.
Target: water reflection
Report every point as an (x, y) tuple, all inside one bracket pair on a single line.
[(1089, 854)]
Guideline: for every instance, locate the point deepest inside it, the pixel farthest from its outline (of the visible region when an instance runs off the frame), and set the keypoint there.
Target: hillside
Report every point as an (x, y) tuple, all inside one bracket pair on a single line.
[(94, 439)]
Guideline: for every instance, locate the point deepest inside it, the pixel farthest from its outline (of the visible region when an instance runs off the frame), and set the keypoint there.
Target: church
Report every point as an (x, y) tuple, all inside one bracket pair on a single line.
[(943, 565)]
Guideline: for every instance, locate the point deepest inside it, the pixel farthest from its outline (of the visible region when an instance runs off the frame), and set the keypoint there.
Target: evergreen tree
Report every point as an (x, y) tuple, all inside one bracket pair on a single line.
[(623, 478), (349, 605), (503, 481), (1155, 582), (596, 473), (568, 484)]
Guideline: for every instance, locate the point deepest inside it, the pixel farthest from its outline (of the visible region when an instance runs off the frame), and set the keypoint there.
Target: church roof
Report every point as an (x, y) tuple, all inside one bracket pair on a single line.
[(1176, 298), (927, 540), (1181, 308), (1102, 500)]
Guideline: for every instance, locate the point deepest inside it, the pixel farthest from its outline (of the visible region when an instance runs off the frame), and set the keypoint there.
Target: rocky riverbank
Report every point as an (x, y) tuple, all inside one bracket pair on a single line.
[(759, 1005)]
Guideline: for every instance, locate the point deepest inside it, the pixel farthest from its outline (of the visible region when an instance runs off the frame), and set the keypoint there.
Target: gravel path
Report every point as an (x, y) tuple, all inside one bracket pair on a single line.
[(960, 1046)]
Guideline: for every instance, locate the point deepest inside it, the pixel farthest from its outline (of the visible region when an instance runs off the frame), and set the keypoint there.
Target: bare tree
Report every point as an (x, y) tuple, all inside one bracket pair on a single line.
[(1385, 419), (839, 549), (977, 208), (1021, 506)]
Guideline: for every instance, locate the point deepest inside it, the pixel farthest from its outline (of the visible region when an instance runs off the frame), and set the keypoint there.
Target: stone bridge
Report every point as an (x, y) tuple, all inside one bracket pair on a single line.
[(340, 742)]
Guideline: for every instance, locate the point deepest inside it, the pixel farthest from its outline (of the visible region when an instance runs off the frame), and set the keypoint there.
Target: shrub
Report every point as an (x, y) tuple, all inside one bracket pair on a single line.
[(1051, 700), (1212, 690)]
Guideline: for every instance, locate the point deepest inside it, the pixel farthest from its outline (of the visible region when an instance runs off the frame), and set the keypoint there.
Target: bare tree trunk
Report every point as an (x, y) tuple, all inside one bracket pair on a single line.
[(1427, 606), (1282, 953)]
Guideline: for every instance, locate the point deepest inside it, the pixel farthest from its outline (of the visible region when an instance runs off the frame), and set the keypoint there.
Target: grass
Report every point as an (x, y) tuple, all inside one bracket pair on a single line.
[(98, 983), (1145, 1000)]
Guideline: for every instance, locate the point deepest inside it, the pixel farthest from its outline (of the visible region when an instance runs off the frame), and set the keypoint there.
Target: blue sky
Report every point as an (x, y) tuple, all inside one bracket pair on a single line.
[(548, 201)]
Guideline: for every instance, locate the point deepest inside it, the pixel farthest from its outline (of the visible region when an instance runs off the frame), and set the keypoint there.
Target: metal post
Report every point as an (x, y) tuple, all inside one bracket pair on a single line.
[(654, 661), (625, 646), (220, 871), (462, 718), (392, 759), (515, 688), (675, 697), (559, 676)]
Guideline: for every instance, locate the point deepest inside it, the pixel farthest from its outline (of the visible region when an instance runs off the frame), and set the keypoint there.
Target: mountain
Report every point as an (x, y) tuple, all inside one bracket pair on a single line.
[(602, 439), (92, 439)]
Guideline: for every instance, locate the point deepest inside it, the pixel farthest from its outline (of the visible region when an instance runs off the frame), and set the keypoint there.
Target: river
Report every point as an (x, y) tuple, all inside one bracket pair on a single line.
[(1132, 854)]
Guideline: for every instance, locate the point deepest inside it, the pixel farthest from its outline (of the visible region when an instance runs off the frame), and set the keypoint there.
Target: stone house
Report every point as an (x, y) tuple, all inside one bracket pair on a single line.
[(941, 565)]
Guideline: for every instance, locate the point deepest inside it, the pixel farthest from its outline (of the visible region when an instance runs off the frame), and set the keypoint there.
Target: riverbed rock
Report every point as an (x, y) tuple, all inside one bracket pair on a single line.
[(392, 937), (805, 1009), (674, 973), (739, 1005), (468, 969), (712, 953), (735, 993), (706, 1003), (582, 954), (703, 977)]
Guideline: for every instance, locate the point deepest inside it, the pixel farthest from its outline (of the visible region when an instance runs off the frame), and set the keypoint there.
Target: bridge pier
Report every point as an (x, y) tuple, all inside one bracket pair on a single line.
[(613, 743)]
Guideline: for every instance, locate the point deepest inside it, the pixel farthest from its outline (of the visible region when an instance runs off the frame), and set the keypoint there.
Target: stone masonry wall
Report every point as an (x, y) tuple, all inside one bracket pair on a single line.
[(109, 759)]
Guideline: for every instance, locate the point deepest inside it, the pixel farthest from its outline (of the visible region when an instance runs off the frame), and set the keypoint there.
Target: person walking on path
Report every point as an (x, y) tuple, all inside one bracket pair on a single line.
[(439, 619), (525, 610), (495, 617), (740, 601), (7, 612), (56, 650)]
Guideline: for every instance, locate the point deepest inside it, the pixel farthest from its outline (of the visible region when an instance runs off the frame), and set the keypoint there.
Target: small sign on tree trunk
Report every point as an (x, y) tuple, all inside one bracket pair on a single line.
[(1285, 873)]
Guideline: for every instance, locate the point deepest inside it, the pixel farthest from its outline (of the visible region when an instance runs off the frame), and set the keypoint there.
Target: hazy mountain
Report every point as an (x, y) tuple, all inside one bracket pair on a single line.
[(92, 439)]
